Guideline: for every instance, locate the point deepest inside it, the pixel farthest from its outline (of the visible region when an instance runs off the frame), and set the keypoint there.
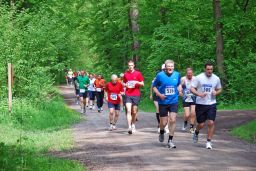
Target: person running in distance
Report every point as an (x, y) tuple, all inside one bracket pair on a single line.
[(206, 86), (83, 82), (76, 85), (99, 84), (188, 100), (133, 80), (168, 88), (113, 92), (70, 77), (91, 92)]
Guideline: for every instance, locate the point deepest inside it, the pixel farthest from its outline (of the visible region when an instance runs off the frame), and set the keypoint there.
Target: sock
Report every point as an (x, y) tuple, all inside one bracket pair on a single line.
[(197, 132), (161, 131), (185, 123), (170, 138), (191, 126), (208, 140)]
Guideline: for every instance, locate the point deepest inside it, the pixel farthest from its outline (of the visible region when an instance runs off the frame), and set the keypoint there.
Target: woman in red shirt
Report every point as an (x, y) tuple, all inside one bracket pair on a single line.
[(99, 91), (113, 92)]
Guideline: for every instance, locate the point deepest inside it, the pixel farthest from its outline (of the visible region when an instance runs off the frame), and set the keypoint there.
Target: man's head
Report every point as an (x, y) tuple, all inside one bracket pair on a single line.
[(82, 72), (99, 76), (90, 76), (189, 73), (169, 66), (208, 67), (114, 78), (131, 65)]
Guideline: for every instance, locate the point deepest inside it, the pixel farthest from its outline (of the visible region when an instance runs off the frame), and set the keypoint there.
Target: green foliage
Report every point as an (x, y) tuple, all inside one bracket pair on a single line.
[(246, 132)]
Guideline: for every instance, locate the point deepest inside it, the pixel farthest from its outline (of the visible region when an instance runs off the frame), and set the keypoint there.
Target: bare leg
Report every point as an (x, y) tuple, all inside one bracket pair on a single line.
[(210, 129), (172, 123), (111, 115), (129, 114), (193, 115), (117, 112), (134, 113)]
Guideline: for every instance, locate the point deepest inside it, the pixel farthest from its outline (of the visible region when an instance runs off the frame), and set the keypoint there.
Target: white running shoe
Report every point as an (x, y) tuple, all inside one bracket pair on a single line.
[(114, 127), (93, 107), (101, 109), (90, 107), (133, 128), (158, 130), (110, 127), (166, 129), (171, 144), (184, 127), (82, 110), (208, 145), (129, 130), (192, 130)]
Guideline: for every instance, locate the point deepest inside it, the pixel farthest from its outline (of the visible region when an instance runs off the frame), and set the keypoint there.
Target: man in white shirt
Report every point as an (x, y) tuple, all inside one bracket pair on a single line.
[(206, 86)]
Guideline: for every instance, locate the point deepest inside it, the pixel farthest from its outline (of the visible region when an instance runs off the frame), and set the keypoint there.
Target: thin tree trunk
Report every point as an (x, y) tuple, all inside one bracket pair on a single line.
[(219, 37), (134, 26)]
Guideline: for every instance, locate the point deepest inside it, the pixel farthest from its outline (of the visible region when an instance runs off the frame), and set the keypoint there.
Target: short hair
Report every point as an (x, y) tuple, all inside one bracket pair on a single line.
[(189, 69), (168, 61), (208, 63), (113, 76), (130, 61)]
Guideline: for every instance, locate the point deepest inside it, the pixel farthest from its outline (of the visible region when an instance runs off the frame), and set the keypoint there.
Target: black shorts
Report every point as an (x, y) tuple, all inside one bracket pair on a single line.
[(134, 100), (205, 112), (84, 95), (188, 104), (77, 92), (92, 95), (165, 109)]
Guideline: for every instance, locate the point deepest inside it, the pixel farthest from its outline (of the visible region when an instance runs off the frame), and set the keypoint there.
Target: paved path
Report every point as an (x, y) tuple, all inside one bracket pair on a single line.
[(100, 149)]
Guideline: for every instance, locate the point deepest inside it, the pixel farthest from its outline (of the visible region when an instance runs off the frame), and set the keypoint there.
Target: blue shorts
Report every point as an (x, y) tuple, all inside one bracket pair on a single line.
[(84, 95), (92, 95), (115, 106)]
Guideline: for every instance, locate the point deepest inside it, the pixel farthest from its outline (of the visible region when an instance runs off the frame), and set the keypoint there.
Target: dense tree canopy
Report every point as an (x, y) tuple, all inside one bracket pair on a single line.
[(42, 37)]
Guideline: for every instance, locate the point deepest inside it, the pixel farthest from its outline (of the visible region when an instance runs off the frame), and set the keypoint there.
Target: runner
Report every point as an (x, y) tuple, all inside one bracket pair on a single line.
[(206, 87), (133, 80), (91, 90), (76, 85), (99, 86), (83, 82), (113, 97), (154, 97), (188, 100), (167, 87), (70, 77)]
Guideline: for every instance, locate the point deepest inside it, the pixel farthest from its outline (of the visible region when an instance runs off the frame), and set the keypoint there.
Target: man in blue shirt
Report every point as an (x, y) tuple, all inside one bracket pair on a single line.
[(168, 88)]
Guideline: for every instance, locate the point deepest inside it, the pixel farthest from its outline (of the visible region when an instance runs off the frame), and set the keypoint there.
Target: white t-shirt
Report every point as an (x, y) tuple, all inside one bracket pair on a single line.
[(206, 84), (91, 85), (187, 95)]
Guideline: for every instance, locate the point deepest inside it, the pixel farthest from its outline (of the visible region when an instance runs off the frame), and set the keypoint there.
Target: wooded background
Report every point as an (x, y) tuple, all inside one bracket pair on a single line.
[(43, 37)]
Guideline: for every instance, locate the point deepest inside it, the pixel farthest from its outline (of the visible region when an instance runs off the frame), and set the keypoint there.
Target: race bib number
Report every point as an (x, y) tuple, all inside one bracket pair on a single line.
[(130, 84), (207, 88), (113, 96), (98, 89), (82, 90), (169, 90)]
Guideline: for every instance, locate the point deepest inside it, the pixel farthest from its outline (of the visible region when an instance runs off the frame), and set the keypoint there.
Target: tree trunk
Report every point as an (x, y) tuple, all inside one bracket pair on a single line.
[(219, 38), (134, 27)]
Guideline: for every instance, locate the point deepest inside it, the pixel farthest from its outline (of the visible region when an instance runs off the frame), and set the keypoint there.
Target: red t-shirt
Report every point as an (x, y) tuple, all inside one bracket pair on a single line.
[(133, 89), (113, 91)]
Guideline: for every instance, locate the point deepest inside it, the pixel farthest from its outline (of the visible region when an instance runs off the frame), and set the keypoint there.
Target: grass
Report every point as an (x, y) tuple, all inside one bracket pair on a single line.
[(31, 131), (246, 132)]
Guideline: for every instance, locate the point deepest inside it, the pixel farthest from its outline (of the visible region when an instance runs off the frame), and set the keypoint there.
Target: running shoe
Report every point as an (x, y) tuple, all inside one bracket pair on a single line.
[(158, 130), (133, 128), (166, 129), (195, 138), (208, 145), (184, 127), (110, 127), (101, 109), (82, 110), (171, 144), (161, 137), (114, 127), (129, 130), (93, 107), (192, 130), (90, 107)]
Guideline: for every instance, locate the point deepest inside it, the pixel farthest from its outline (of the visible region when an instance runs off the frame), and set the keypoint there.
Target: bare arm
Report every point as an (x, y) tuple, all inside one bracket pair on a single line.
[(162, 96), (195, 92)]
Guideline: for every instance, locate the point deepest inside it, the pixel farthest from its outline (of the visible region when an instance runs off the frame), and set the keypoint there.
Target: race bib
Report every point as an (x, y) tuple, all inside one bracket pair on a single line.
[(169, 90), (82, 90), (113, 96), (98, 89), (207, 88), (130, 84)]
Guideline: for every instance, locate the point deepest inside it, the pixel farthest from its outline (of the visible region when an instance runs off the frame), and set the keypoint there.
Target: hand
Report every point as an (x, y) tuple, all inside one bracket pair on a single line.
[(202, 95), (214, 93), (180, 93), (151, 97), (162, 96)]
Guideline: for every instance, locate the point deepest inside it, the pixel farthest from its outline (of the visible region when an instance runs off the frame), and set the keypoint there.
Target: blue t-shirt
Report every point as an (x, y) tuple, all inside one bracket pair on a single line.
[(168, 85)]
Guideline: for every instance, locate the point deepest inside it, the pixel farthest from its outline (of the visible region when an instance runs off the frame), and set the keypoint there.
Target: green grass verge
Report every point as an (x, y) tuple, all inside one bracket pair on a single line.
[(33, 130), (246, 132)]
